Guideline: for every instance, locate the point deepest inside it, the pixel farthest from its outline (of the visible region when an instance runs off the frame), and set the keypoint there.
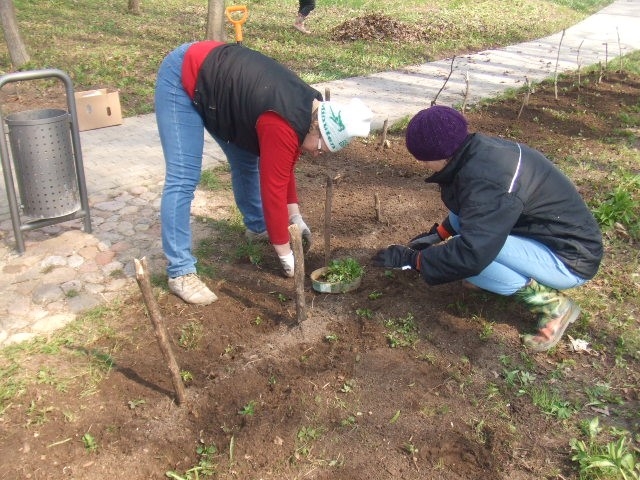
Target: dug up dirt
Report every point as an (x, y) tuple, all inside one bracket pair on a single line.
[(396, 380)]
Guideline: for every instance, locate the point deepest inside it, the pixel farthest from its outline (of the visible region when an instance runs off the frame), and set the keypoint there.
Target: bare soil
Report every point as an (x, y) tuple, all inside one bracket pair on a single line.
[(331, 398)]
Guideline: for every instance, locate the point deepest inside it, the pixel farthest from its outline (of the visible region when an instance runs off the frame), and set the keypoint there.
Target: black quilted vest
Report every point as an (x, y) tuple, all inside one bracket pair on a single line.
[(236, 85)]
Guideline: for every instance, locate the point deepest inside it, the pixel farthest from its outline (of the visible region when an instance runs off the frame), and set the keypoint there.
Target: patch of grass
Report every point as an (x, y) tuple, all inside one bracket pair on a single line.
[(621, 206), (210, 178), (249, 409), (89, 442), (190, 335), (100, 45), (78, 365), (205, 467), (613, 460), (253, 251), (550, 402), (402, 332)]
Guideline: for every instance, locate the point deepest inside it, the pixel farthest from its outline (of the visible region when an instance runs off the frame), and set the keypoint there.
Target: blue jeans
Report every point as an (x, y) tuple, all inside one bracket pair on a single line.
[(181, 130), (520, 260)]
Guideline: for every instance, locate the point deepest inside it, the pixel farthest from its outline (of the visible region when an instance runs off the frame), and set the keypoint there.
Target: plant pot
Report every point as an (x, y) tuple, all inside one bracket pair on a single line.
[(322, 286)]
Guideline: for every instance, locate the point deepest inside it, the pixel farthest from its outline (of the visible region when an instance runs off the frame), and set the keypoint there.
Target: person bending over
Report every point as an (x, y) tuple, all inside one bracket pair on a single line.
[(263, 116)]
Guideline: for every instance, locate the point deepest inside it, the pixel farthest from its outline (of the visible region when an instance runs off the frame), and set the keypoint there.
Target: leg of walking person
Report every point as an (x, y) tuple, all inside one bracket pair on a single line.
[(305, 7)]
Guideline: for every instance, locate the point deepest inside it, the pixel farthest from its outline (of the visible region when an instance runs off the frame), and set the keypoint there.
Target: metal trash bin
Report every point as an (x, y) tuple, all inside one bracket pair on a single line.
[(44, 162)]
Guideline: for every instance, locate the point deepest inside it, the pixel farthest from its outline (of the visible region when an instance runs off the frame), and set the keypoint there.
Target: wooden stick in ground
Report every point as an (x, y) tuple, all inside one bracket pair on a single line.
[(383, 137), (376, 200), (298, 276), (527, 93), (327, 220), (144, 282), (555, 74), (327, 94)]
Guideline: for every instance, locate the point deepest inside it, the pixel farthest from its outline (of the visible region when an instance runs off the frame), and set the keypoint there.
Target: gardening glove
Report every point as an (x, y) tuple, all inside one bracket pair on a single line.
[(287, 264), (304, 230), (397, 256), (435, 235)]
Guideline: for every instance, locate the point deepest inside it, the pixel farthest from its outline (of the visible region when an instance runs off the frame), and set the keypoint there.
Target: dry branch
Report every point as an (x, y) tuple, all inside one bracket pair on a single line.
[(578, 62), (465, 92), (433, 102), (525, 100), (619, 49), (144, 282), (555, 75), (298, 258)]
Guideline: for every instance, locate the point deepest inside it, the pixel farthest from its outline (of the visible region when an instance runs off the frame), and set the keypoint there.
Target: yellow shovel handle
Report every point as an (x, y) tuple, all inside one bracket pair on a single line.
[(237, 22)]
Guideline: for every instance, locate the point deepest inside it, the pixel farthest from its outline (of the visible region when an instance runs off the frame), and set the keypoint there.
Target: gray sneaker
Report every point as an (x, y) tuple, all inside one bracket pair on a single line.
[(191, 289), (253, 237)]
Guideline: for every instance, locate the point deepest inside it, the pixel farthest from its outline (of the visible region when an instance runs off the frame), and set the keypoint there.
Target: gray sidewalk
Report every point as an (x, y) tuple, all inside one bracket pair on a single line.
[(124, 169)]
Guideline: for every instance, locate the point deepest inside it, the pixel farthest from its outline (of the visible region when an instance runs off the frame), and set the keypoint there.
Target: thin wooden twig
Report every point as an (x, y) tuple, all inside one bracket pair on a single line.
[(465, 92), (144, 282), (619, 49), (525, 100), (327, 94), (579, 63), (433, 102), (555, 76)]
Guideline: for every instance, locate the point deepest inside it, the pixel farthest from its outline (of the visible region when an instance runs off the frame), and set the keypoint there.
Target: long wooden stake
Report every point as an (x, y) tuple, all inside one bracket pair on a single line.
[(383, 138), (298, 276), (376, 201), (144, 282), (327, 221)]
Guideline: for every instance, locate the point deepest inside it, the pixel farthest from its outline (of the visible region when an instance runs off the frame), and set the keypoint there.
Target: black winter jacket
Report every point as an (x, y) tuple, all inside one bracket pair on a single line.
[(499, 188)]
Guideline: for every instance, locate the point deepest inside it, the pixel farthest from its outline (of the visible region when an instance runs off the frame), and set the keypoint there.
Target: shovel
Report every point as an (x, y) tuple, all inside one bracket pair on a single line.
[(237, 15)]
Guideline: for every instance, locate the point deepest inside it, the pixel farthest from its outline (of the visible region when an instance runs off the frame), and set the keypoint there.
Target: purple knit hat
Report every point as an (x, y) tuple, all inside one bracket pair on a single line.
[(435, 133)]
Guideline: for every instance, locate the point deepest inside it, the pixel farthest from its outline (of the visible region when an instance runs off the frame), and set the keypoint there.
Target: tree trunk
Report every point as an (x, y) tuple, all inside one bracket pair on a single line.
[(134, 7), (15, 46), (216, 21)]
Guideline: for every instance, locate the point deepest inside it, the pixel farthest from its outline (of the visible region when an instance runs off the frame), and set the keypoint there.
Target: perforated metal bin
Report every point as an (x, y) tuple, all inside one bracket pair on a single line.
[(47, 158), (41, 149)]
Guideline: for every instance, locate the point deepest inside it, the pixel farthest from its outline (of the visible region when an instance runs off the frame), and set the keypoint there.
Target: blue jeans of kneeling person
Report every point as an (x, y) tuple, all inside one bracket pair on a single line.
[(520, 260), (181, 130)]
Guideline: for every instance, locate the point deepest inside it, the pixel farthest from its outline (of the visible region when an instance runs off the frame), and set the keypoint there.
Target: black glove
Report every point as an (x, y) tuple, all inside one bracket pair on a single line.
[(396, 256), (437, 234), (426, 239)]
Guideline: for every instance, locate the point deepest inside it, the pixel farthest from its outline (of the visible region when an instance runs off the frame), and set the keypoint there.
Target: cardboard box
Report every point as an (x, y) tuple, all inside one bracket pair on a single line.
[(97, 109)]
